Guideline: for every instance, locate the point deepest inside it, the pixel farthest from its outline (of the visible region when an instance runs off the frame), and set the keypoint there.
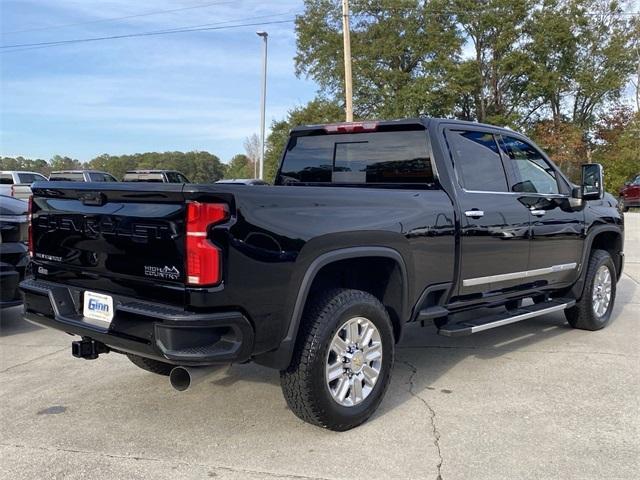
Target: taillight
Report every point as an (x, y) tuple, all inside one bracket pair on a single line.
[(204, 263), (13, 190), (30, 228), (352, 127)]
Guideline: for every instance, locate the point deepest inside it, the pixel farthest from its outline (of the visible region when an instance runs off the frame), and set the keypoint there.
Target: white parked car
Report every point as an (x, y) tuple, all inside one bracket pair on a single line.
[(17, 184)]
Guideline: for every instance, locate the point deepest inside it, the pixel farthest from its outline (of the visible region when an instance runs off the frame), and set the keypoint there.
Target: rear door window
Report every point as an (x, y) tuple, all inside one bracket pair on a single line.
[(172, 177), (477, 160), (31, 177), (397, 157)]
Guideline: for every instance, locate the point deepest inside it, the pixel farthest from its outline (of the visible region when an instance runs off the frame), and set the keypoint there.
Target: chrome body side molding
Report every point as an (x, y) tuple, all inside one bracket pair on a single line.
[(469, 282)]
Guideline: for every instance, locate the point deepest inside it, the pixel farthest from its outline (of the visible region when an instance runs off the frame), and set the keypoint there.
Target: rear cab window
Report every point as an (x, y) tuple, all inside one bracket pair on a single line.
[(399, 157), (67, 177), (144, 177)]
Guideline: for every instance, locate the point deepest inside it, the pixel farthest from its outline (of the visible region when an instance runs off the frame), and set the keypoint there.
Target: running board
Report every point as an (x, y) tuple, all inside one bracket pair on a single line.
[(468, 327)]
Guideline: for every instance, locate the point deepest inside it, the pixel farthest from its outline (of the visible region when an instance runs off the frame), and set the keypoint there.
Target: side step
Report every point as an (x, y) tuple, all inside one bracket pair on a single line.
[(468, 327)]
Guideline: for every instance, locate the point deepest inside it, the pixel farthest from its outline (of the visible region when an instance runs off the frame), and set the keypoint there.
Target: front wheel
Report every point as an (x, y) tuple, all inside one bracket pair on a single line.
[(342, 362), (621, 206), (593, 310)]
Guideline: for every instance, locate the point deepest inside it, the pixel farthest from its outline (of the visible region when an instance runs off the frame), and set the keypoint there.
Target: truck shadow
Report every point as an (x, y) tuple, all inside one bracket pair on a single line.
[(423, 358), (12, 322)]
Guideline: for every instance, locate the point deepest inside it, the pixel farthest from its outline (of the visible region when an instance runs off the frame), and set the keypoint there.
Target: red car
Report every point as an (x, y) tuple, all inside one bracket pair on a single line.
[(630, 194)]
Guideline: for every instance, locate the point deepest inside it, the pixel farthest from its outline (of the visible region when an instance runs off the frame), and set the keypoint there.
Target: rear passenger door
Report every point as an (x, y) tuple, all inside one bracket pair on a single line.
[(494, 224)]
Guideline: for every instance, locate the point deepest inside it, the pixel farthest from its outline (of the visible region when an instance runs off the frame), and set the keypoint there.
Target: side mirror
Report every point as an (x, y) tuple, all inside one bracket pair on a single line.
[(592, 181)]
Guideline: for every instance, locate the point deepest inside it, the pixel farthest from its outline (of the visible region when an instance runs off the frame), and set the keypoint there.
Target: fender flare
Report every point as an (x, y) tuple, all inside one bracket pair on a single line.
[(578, 287), (281, 357)]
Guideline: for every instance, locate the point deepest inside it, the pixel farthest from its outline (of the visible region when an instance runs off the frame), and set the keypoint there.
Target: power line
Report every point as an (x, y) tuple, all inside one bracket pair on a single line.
[(114, 19), (28, 46)]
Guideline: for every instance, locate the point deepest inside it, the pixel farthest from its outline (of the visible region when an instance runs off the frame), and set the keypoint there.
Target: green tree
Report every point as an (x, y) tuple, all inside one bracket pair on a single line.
[(28, 164), (239, 167), (604, 60), (316, 111), (618, 147), (59, 162), (497, 74), (199, 167), (403, 53)]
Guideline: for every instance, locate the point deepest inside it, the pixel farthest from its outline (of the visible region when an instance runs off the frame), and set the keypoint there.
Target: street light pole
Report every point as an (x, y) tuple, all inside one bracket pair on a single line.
[(264, 36), (346, 35)]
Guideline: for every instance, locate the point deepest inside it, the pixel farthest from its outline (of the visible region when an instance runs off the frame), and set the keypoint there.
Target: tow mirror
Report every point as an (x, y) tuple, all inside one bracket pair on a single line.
[(592, 181)]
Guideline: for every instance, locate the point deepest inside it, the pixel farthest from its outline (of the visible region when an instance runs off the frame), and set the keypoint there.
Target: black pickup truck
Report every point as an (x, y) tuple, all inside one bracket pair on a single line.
[(369, 226)]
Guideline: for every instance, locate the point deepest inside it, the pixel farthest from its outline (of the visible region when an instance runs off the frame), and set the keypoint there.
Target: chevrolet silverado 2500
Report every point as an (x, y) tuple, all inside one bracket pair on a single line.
[(369, 226)]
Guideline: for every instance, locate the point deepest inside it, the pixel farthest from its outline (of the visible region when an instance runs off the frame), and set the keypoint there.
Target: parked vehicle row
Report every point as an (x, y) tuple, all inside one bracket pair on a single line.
[(17, 184), (14, 258), (369, 226), (630, 194)]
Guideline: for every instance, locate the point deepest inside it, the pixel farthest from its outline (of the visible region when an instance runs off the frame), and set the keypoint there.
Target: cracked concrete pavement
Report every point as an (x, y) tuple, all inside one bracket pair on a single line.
[(530, 400)]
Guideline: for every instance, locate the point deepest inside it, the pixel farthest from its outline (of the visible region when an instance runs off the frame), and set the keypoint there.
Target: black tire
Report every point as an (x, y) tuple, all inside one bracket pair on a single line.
[(621, 206), (303, 382), (583, 315), (153, 366)]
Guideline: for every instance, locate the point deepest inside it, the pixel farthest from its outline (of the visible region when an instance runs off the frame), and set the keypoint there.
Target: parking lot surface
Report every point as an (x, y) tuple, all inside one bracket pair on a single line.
[(534, 400)]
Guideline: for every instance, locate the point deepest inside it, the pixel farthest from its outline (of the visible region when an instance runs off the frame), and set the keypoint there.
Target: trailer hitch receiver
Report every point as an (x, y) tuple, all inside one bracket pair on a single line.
[(88, 348)]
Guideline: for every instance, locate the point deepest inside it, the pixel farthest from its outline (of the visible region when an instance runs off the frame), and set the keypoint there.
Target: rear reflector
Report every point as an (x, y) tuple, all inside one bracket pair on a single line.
[(353, 127), (30, 227), (204, 264)]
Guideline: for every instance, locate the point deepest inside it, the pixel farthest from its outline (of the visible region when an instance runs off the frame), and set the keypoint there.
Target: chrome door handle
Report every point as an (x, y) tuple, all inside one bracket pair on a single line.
[(474, 213), (538, 213)]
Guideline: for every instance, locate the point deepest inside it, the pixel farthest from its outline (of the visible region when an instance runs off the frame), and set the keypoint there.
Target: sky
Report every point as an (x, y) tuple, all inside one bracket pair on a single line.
[(183, 91)]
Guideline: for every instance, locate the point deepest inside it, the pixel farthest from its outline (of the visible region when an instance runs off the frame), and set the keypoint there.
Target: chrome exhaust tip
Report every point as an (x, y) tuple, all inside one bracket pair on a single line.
[(183, 378)]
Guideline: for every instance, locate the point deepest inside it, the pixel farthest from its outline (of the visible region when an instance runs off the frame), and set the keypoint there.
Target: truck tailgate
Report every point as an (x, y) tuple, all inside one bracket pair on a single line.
[(123, 236)]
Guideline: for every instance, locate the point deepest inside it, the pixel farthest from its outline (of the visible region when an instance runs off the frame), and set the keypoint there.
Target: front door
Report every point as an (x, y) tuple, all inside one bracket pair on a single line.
[(556, 226), (494, 223)]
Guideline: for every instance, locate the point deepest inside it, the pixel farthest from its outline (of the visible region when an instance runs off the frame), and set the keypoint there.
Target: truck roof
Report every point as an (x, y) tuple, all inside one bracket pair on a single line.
[(371, 125), (152, 171), (78, 171), (19, 171)]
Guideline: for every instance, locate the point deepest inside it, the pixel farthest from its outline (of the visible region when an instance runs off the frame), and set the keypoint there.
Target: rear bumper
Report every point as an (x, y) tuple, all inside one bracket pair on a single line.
[(147, 329)]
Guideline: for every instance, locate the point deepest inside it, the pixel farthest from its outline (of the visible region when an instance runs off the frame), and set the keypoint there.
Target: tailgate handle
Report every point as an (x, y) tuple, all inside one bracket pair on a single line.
[(93, 198)]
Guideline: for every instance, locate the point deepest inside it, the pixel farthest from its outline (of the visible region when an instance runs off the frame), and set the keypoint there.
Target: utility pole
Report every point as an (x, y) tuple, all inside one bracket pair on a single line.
[(348, 92), (264, 36)]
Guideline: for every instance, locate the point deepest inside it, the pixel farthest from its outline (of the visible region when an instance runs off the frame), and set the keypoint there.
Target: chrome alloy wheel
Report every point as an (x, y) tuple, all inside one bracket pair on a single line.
[(601, 295), (354, 361)]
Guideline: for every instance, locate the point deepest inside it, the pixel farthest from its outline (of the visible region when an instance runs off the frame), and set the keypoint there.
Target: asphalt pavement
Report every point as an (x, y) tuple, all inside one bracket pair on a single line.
[(533, 400)]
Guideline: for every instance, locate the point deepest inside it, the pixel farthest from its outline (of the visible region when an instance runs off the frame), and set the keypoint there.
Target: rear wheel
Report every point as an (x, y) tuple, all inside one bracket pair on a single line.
[(593, 310), (342, 363), (153, 366)]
